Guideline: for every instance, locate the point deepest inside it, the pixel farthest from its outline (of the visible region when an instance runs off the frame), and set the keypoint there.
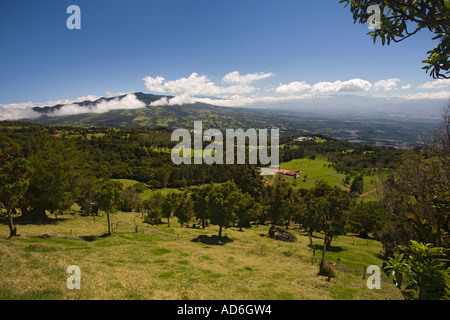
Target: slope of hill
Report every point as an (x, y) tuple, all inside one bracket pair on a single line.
[(179, 116), (382, 132)]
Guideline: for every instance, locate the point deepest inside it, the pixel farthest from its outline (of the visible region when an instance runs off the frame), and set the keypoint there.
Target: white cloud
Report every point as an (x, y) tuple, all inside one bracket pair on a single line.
[(339, 86), (25, 110), (17, 111), (235, 101), (236, 77), (195, 84), (199, 88), (126, 103), (427, 95), (178, 100), (386, 85), (437, 84), (293, 87)]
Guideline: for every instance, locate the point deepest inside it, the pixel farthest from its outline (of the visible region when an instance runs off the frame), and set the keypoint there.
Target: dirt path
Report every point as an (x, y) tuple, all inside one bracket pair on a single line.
[(371, 191)]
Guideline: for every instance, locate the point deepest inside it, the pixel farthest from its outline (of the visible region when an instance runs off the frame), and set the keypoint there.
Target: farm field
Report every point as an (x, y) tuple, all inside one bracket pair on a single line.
[(321, 169), (317, 169), (178, 263)]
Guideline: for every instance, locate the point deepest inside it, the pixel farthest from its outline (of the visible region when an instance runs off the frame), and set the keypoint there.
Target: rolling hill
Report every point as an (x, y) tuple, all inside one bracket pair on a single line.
[(178, 116), (382, 132)]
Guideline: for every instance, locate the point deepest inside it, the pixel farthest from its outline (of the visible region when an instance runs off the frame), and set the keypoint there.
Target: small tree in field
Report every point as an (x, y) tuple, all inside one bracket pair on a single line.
[(201, 211), (223, 203), (185, 210), (244, 214), (13, 183), (168, 206), (108, 199)]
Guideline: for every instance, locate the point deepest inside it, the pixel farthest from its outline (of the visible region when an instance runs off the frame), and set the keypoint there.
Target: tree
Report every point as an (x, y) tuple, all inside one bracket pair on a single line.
[(401, 19), (281, 202), (248, 180), (130, 199), (223, 203), (357, 186), (365, 218), (255, 211), (420, 272), (416, 194), (310, 219), (153, 216), (153, 208), (86, 191), (185, 209), (437, 143), (199, 196), (416, 197), (329, 206), (14, 181), (243, 213), (109, 199), (56, 166), (168, 206)]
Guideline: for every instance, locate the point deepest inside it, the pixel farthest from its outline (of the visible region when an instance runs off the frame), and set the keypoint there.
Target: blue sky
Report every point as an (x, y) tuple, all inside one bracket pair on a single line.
[(271, 51)]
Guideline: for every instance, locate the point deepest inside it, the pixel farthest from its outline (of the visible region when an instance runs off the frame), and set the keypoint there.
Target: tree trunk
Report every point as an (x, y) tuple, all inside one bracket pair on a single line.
[(324, 250), (203, 223), (109, 226), (24, 211), (220, 231), (168, 222), (12, 227), (310, 238), (38, 214)]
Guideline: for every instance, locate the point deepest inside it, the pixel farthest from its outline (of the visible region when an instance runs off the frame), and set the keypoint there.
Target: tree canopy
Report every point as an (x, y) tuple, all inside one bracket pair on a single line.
[(400, 19)]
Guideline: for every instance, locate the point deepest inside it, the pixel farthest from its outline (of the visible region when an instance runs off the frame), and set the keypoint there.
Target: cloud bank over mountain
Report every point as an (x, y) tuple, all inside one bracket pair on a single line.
[(69, 107), (236, 89), (243, 90)]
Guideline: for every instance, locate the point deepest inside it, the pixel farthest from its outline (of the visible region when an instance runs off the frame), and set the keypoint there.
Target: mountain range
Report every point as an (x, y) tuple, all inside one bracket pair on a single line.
[(170, 116), (385, 131)]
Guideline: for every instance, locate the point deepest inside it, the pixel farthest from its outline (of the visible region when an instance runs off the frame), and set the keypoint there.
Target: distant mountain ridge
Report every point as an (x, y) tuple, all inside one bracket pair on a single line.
[(146, 98), (382, 132), (170, 116)]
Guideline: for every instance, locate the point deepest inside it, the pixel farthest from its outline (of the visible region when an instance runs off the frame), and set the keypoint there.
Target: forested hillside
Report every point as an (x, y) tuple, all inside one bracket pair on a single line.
[(50, 171)]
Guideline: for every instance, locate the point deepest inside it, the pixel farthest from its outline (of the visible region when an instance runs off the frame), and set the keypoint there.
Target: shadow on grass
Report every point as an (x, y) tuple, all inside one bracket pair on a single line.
[(21, 221), (85, 238), (212, 240), (93, 238), (329, 249)]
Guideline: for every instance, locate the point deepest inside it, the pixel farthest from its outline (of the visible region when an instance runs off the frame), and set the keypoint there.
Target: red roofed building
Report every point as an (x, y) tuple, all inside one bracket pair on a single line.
[(288, 172)]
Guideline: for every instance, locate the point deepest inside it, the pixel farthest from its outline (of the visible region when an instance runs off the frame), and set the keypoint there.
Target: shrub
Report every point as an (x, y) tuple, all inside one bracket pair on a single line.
[(326, 270)]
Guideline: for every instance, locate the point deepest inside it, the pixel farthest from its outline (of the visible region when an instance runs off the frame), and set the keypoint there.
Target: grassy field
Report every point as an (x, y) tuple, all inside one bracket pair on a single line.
[(321, 169), (165, 263), (317, 169)]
